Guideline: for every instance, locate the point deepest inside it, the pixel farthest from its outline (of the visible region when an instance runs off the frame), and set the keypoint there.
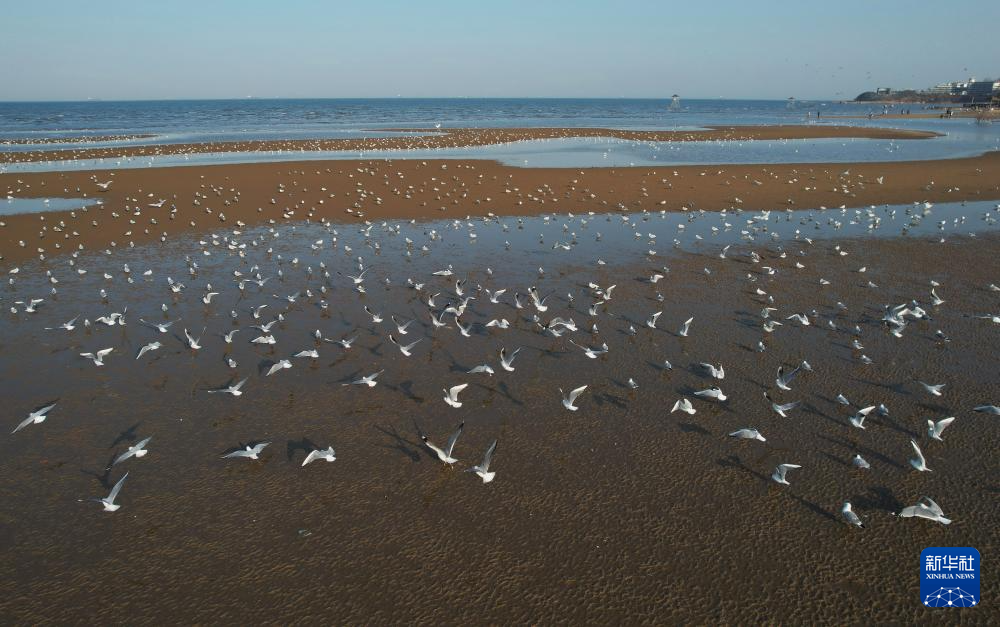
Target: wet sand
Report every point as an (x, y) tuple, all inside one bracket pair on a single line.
[(617, 513), (197, 198), (464, 137)]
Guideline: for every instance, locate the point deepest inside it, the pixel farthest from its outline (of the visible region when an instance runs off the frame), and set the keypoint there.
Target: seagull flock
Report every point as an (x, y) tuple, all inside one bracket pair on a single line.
[(249, 287)]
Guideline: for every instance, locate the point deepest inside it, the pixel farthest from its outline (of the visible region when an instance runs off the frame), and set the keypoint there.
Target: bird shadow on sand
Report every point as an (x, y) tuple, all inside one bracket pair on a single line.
[(887, 421), (878, 497), (406, 387), (690, 427), (836, 460), (865, 451), (305, 445), (349, 378), (814, 508), (611, 399), (735, 463), (812, 410), (128, 435), (401, 444), (895, 388), (104, 475)]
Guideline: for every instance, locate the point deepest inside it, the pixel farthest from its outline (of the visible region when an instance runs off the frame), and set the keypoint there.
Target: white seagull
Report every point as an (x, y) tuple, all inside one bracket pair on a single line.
[(109, 501), (851, 517), (925, 508), (250, 452), (136, 450), (327, 454), (36, 417), (780, 471), (934, 429), (445, 454), (99, 357), (568, 400), (918, 462), (483, 469), (232, 389), (451, 395)]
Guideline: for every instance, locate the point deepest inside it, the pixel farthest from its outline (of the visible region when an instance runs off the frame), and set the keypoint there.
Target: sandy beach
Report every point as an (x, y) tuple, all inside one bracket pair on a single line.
[(595, 515), (422, 138), (353, 191)]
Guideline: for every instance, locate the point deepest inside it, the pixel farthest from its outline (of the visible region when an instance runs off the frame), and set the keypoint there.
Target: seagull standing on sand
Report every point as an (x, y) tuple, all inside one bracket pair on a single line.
[(851, 517)]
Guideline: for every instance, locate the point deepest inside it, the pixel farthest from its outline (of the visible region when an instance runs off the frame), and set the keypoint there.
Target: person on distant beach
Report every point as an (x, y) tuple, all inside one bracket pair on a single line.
[(817, 114)]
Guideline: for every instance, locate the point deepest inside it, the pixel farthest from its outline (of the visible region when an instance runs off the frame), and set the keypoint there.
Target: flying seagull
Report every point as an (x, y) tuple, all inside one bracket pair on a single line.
[(109, 501), (445, 454), (231, 389), (918, 462), (36, 417), (136, 450), (250, 452), (327, 454), (925, 508), (451, 395), (483, 469), (568, 400), (781, 470), (934, 429)]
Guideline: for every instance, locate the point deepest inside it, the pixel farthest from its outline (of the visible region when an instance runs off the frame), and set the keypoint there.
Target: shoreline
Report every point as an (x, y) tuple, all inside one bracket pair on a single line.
[(470, 137), (206, 198)]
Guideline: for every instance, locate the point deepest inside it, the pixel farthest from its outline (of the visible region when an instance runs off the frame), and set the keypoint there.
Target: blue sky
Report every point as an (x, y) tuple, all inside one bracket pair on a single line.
[(72, 50)]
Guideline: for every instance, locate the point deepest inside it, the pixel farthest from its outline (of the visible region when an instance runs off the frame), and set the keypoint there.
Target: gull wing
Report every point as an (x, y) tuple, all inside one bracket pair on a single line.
[(454, 438), (24, 423), (943, 424), (455, 390), (485, 466), (115, 490), (926, 501), (576, 393), (787, 378), (920, 455)]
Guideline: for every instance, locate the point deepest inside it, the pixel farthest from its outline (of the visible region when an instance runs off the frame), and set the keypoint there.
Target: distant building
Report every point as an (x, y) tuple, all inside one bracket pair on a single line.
[(982, 90), (971, 88)]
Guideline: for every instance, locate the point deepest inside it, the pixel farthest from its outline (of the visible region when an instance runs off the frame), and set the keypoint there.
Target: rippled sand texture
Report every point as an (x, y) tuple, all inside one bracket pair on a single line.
[(618, 513)]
